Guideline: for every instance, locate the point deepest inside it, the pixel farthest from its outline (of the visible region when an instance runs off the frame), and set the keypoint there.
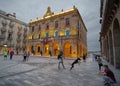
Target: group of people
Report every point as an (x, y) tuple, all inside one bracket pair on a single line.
[(11, 53), (5, 53), (108, 75)]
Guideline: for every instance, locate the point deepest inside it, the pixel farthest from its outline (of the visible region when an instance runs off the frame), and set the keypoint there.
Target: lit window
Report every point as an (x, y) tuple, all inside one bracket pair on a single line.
[(56, 33), (67, 33), (47, 34)]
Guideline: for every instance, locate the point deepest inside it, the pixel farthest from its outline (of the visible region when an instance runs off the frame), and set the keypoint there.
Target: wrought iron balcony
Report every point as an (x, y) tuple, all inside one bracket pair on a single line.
[(2, 36), (24, 40), (3, 29), (18, 40), (19, 34), (10, 31), (4, 22), (10, 38), (11, 24), (25, 35), (25, 29)]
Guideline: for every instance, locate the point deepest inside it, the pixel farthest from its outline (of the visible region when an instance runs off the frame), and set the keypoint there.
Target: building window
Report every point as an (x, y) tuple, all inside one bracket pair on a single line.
[(32, 36), (67, 21), (39, 27), (38, 49), (56, 24), (56, 33), (47, 26), (67, 33), (32, 28), (39, 36), (47, 34)]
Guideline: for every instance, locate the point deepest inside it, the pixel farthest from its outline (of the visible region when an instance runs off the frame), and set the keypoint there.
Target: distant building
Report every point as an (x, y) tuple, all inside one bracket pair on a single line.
[(110, 31), (64, 31), (13, 33)]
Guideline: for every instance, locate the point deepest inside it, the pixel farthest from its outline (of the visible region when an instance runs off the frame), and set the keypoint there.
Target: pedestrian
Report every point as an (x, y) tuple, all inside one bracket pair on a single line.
[(108, 76), (99, 60), (84, 58), (60, 60), (5, 53), (24, 56), (28, 55), (11, 54), (75, 62)]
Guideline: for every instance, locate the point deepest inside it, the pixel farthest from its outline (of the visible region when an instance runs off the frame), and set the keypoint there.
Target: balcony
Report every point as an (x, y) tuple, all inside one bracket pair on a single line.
[(18, 46), (10, 38), (19, 34), (25, 29), (24, 40), (25, 35), (10, 31), (3, 29), (2, 36), (4, 22), (18, 40), (11, 24)]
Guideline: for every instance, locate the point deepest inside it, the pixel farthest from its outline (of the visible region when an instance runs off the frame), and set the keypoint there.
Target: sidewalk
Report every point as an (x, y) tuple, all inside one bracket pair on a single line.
[(40, 71)]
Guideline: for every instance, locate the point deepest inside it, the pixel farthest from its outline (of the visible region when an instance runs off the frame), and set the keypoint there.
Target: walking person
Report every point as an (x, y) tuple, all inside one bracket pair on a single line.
[(99, 60), (28, 55), (75, 62), (11, 54), (84, 58), (24, 56), (5, 53), (60, 60), (108, 76)]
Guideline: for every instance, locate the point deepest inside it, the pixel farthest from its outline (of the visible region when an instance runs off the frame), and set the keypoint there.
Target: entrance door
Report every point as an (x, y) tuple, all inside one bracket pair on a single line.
[(67, 49)]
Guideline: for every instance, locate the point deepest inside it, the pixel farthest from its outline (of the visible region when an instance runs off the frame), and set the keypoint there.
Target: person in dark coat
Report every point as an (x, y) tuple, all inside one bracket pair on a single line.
[(75, 62), (108, 76), (60, 60)]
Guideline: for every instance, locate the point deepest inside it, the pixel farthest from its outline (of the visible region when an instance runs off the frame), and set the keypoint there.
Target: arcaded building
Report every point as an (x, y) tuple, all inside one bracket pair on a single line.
[(110, 31), (13, 33), (64, 31)]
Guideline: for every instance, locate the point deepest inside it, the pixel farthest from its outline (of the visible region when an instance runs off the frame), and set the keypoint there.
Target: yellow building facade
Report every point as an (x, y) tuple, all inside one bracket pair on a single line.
[(61, 31)]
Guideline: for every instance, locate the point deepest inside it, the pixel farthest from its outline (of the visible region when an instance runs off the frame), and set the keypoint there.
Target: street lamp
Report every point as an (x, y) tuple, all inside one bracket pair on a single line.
[(5, 45)]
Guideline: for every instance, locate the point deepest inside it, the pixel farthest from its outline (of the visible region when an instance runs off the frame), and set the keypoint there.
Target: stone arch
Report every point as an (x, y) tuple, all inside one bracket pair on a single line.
[(55, 49), (116, 40), (38, 49), (47, 50), (111, 59)]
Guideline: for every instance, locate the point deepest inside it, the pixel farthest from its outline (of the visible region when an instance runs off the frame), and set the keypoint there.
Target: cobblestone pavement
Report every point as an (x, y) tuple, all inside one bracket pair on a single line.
[(42, 71)]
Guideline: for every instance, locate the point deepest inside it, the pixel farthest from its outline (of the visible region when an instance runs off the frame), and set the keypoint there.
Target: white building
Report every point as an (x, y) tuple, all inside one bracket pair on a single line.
[(13, 33)]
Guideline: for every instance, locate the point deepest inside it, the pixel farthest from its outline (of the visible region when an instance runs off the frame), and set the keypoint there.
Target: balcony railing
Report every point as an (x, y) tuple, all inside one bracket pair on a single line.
[(18, 40), (2, 36), (3, 29), (19, 34), (10, 31), (10, 38)]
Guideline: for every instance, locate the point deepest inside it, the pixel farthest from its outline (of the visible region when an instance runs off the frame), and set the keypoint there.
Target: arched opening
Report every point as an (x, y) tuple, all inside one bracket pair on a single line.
[(116, 40), (56, 49), (67, 50), (38, 49), (111, 48), (47, 50)]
